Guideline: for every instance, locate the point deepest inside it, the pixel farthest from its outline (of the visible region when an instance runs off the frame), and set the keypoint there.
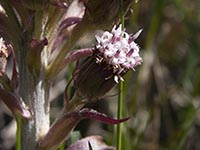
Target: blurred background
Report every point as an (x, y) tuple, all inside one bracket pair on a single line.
[(162, 96)]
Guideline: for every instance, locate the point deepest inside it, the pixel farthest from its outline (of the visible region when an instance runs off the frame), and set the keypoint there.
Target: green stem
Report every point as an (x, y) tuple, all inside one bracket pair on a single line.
[(119, 116), (122, 12), (62, 146), (120, 97), (18, 134)]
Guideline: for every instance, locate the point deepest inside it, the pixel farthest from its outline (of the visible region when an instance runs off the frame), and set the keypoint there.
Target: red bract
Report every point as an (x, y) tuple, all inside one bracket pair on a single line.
[(63, 126), (14, 104)]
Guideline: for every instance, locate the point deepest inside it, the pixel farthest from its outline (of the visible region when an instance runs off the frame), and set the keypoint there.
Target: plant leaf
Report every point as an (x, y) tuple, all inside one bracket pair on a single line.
[(62, 127), (14, 104), (93, 114), (78, 54), (69, 22)]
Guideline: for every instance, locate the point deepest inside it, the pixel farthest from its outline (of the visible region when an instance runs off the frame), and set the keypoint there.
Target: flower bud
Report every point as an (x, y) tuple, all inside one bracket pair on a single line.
[(115, 54)]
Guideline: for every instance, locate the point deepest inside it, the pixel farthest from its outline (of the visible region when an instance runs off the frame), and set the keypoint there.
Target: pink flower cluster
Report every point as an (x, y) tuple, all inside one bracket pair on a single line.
[(119, 49)]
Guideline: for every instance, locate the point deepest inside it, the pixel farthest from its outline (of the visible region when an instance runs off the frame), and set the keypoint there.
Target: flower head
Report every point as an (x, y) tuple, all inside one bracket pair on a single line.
[(115, 54), (119, 50)]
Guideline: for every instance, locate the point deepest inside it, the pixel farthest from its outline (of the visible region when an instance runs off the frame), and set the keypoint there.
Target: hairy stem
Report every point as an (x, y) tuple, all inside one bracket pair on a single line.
[(34, 91), (35, 95)]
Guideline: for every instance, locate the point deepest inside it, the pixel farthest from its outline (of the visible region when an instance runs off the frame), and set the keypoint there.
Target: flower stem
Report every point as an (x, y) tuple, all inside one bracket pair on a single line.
[(120, 97), (62, 146), (119, 116), (18, 134), (122, 12)]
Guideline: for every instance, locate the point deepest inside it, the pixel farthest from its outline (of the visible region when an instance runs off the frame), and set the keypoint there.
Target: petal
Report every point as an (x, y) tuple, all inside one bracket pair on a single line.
[(135, 36), (98, 39)]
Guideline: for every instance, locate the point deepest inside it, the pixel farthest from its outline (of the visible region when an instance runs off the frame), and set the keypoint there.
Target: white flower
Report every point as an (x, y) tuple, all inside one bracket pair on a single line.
[(119, 49), (3, 48)]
